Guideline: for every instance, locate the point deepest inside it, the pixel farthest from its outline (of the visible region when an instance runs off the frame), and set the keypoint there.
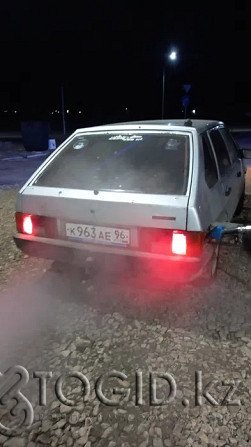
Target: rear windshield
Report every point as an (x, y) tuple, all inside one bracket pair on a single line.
[(154, 163)]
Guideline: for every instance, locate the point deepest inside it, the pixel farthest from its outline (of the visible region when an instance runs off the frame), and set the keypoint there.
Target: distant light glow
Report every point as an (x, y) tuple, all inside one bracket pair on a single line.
[(194, 111), (173, 55), (5, 111), (80, 111), (67, 111)]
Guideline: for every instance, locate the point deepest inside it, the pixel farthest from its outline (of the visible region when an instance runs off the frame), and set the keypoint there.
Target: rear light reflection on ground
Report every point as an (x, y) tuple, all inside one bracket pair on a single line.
[(156, 276)]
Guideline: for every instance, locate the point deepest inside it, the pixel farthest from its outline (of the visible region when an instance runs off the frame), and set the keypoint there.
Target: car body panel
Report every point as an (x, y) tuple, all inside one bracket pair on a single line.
[(193, 211), (114, 208)]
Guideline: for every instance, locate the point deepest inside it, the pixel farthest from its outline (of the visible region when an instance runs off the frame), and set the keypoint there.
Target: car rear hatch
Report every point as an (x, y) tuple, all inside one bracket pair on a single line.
[(110, 188)]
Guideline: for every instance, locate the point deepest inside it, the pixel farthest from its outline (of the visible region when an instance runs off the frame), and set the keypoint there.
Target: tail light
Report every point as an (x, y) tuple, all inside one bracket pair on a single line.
[(171, 242), (36, 225), (24, 223), (179, 243), (27, 225)]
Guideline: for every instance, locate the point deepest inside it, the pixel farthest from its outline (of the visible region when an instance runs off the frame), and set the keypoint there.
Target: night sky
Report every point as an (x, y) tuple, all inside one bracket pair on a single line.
[(109, 58)]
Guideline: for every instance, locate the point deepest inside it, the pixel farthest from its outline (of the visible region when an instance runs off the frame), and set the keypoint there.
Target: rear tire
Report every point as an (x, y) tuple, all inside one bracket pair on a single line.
[(240, 205)]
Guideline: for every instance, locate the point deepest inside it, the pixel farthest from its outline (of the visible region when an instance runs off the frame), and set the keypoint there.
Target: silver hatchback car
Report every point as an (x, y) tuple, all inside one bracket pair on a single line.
[(149, 190)]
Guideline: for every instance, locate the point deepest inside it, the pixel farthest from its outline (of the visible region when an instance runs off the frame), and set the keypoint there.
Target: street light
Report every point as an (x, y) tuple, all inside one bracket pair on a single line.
[(172, 56)]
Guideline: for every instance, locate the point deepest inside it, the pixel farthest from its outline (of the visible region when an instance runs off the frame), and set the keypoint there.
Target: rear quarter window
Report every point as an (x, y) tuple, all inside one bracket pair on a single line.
[(231, 144), (211, 173), (221, 152)]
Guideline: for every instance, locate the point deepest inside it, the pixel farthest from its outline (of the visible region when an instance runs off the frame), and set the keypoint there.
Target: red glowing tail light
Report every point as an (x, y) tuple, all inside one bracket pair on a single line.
[(172, 242), (179, 243), (27, 225), (33, 225), (24, 223)]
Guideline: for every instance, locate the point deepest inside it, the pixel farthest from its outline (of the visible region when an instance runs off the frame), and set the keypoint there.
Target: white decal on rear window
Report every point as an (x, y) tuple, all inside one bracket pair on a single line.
[(127, 137)]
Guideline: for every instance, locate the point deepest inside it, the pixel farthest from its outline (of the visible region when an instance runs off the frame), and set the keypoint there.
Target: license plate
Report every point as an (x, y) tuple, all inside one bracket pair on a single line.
[(97, 234)]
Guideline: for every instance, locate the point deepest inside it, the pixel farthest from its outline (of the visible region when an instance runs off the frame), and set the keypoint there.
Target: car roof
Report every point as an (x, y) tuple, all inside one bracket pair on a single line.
[(200, 125)]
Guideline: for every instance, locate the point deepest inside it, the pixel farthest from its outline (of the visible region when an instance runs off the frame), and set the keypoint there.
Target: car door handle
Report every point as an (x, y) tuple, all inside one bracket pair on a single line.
[(228, 191), (238, 174)]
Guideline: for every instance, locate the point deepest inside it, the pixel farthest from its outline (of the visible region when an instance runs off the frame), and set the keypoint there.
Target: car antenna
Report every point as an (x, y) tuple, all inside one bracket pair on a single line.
[(188, 122)]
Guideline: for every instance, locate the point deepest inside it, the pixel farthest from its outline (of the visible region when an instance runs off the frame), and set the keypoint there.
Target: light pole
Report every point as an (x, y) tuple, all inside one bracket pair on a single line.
[(172, 56)]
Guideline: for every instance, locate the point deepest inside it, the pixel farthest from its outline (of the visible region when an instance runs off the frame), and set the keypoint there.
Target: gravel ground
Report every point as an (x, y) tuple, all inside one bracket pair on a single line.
[(10, 256), (102, 323)]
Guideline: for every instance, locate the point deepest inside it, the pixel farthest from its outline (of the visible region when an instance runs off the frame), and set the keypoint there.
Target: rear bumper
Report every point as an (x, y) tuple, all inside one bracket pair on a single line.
[(56, 248), (76, 253)]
